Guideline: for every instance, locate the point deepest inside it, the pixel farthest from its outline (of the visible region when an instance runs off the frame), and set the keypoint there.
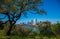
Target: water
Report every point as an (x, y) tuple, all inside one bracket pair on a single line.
[(32, 28)]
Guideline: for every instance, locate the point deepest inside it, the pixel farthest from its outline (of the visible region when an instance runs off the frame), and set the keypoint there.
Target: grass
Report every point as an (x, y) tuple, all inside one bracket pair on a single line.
[(3, 36)]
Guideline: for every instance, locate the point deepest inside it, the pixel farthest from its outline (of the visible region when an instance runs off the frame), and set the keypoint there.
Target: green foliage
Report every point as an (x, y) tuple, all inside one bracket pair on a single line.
[(25, 5), (56, 28), (13, 9), (43, 34)]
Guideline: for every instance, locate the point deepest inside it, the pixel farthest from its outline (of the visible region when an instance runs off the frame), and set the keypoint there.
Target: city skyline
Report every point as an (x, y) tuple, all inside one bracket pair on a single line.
[(38, 20)]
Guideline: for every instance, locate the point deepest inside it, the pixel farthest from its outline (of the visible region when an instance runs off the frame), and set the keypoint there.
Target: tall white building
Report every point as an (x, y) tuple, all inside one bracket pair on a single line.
[(34, 21)]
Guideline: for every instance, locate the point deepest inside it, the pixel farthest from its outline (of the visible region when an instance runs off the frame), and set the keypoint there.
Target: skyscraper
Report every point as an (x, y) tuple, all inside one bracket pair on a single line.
[(34, 21)]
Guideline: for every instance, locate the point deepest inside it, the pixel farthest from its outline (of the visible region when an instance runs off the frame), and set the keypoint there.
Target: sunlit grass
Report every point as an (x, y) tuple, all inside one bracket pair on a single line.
[(3, 36)]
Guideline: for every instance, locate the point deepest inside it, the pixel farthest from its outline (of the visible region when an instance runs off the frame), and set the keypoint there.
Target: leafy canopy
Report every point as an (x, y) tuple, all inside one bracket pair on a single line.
[(22, 5), (14, 8)]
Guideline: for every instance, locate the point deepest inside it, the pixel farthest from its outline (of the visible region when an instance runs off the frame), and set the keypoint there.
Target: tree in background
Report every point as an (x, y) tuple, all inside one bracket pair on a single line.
[(45, 28), (56, 28), (13, 9)]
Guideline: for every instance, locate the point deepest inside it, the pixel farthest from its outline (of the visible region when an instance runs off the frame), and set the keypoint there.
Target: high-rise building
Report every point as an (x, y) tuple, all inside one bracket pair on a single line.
[(34, 21), (31, 22)]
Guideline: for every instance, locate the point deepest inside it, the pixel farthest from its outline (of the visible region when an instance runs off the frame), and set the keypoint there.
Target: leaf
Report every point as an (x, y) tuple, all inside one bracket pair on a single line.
[(1, 1), (2, 9), (25, 14), (14, 8), (36, 1), (41, 12), (7, 2)]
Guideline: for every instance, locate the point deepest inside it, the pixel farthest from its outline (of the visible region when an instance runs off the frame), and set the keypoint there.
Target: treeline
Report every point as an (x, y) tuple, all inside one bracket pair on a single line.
[(44, 29)]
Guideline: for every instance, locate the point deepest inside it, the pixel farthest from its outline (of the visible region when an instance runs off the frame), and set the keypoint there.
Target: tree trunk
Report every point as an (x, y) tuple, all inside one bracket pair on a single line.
[(12, 24), (9, 30)]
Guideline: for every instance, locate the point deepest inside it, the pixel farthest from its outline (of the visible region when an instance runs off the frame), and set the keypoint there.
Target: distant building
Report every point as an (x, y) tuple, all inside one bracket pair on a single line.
[(34, 21), (29, 22)]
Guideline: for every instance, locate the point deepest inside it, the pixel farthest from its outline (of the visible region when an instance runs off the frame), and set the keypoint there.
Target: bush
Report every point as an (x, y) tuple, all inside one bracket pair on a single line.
[(56, 28)]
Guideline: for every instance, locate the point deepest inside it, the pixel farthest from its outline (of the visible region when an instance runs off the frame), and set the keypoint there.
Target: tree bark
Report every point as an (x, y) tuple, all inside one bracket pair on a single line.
[(9, 30), (12, 24)]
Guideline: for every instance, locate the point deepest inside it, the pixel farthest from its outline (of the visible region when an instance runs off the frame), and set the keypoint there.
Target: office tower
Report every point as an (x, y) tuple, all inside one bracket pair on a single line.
[(34, 21)]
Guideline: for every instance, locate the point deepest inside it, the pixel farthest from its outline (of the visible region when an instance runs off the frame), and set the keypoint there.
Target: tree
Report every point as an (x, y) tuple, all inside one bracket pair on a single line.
[(45, 28), (56, 28), (13, 9), (1, 25)]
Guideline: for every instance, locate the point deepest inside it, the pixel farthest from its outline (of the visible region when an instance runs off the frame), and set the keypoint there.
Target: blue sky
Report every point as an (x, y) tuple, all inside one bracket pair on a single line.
[(52, 8)]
